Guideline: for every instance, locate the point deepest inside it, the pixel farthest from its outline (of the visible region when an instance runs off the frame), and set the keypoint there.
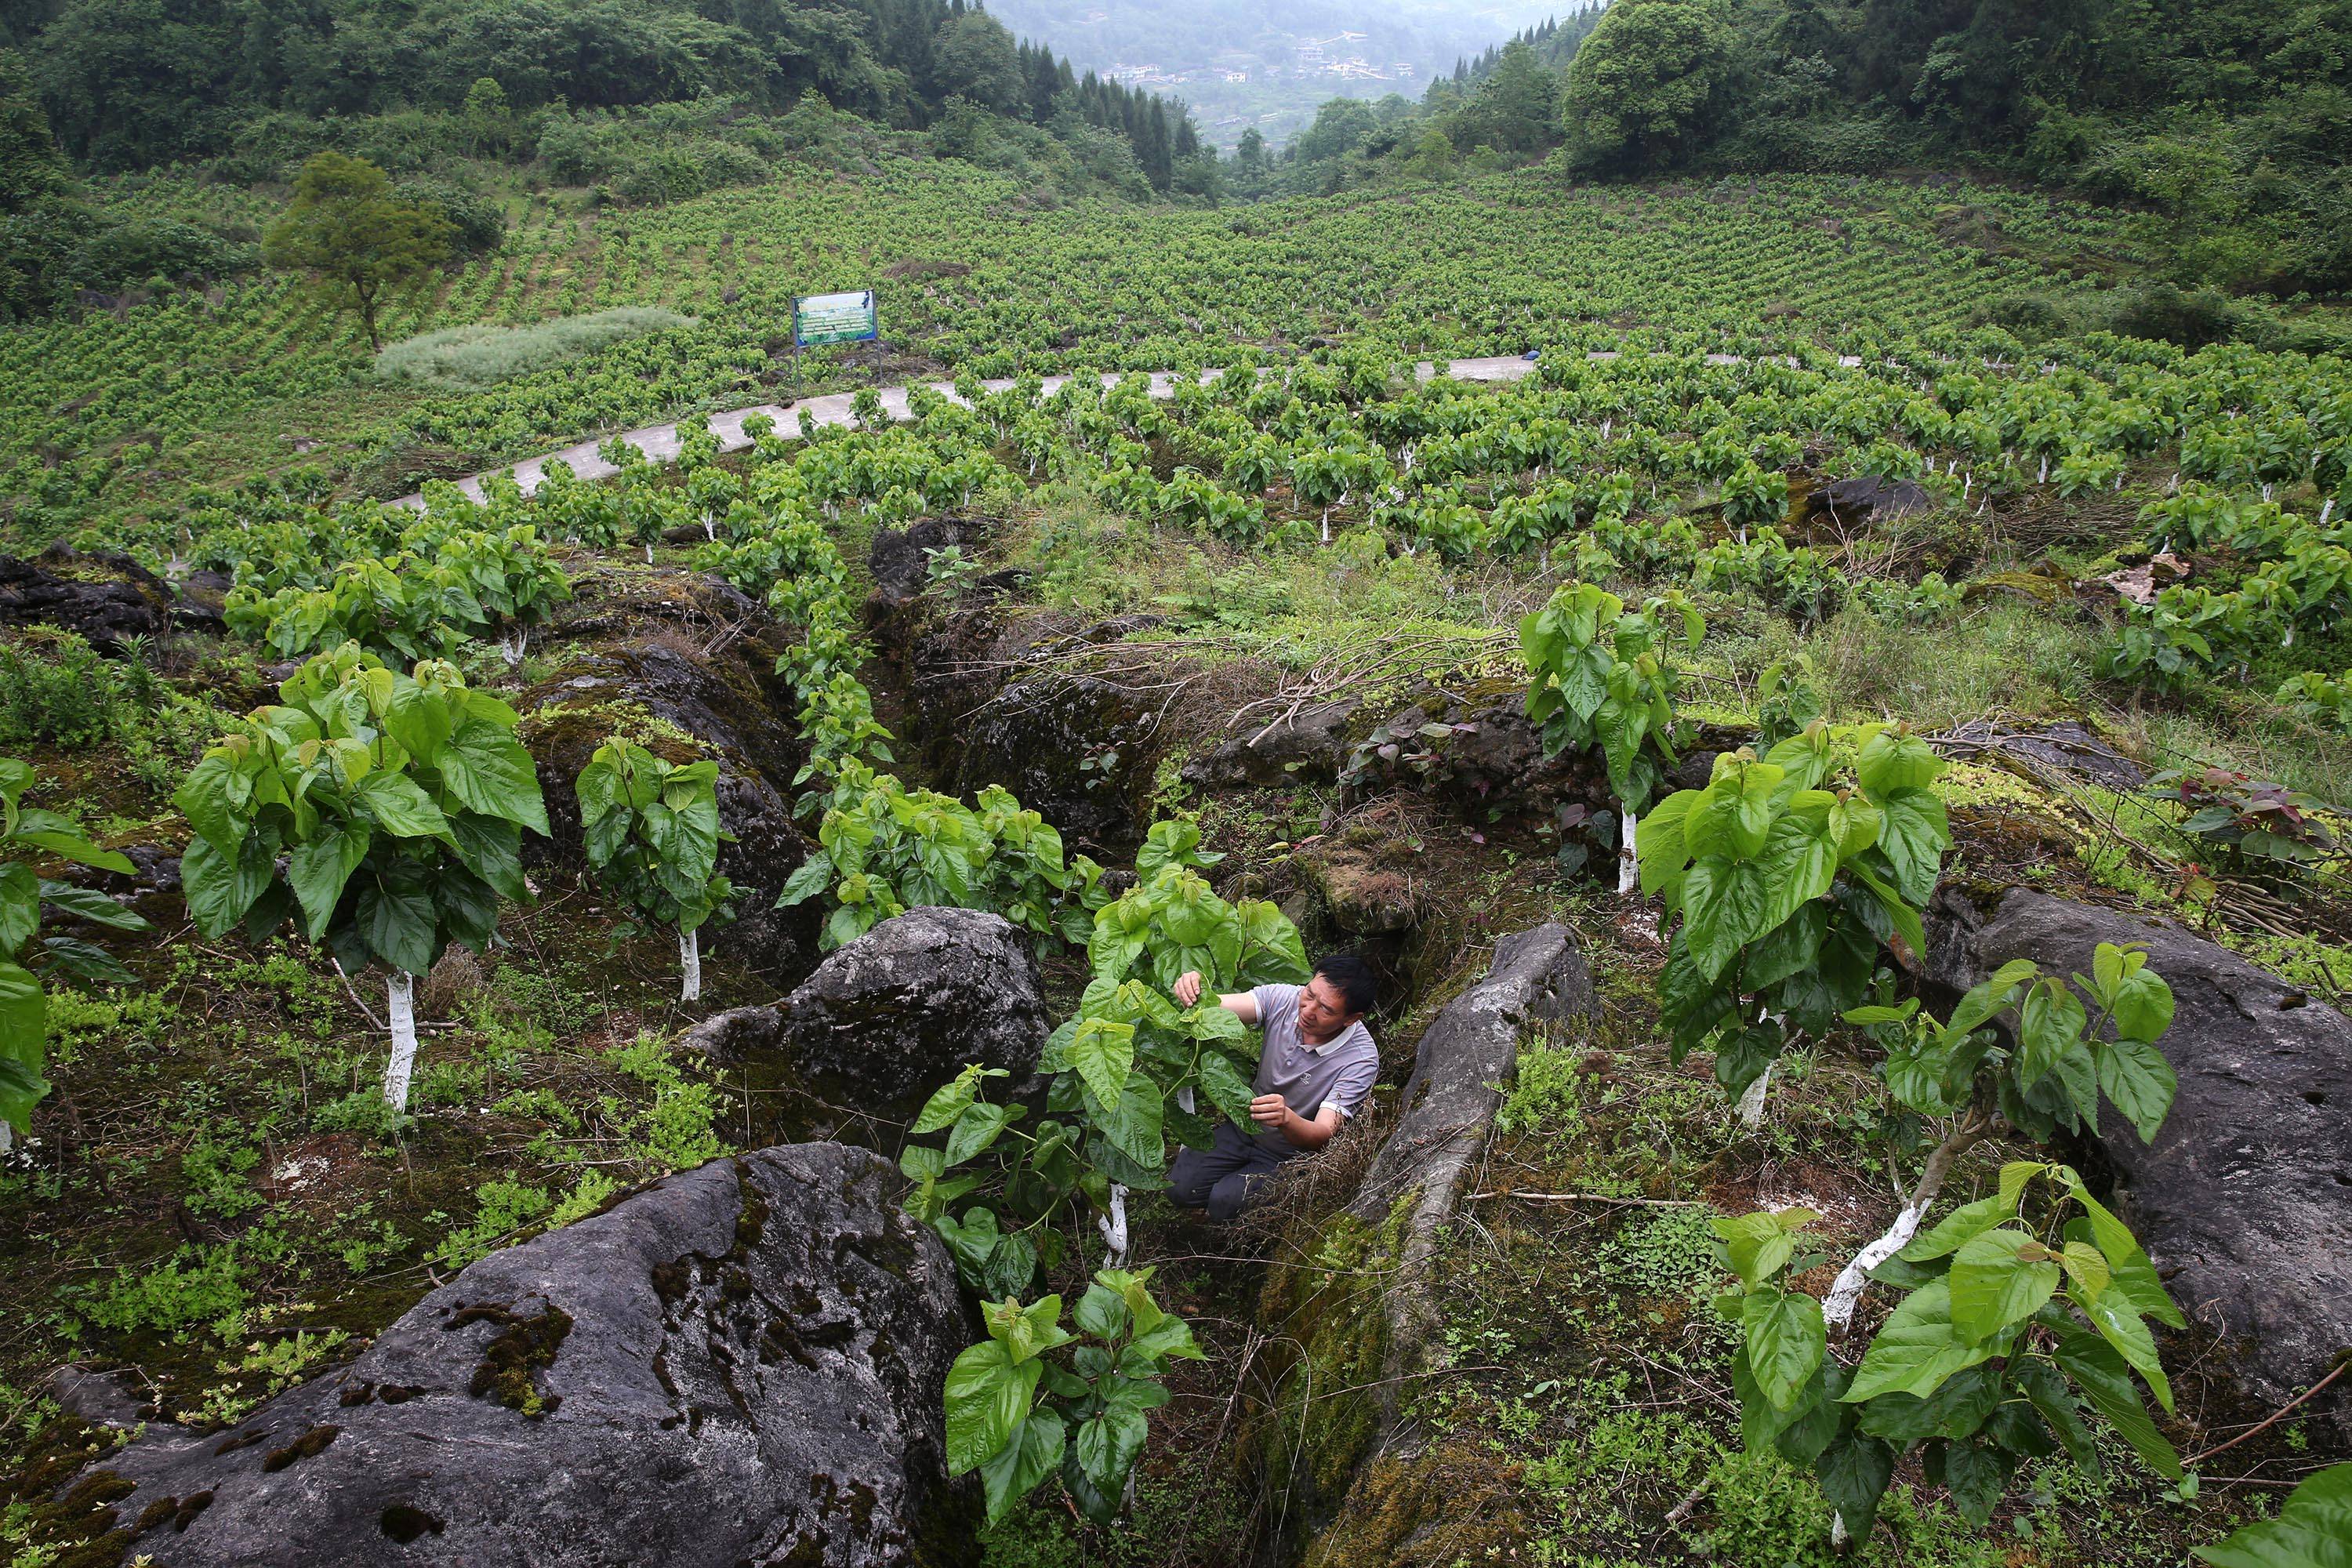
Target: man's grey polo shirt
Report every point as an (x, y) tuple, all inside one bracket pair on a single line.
[(1338, 1072)]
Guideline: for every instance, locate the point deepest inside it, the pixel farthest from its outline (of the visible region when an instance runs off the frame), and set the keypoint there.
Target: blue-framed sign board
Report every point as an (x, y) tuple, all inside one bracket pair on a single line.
[(834, 319)]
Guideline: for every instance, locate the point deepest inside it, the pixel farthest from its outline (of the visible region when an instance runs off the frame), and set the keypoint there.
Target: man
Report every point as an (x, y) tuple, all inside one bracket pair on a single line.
[(1317, 1065)]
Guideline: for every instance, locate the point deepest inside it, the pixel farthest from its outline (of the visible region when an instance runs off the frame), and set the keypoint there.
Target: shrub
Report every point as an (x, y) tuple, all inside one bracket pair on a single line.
[(2168, 313)]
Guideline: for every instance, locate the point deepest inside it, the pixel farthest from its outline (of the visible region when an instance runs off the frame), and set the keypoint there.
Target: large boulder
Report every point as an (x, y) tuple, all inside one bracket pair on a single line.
[(1368, 880), (742, 1364), (2244, 1200), (1865, 498), (1466, 1056), (888, 1018), (106, 599)]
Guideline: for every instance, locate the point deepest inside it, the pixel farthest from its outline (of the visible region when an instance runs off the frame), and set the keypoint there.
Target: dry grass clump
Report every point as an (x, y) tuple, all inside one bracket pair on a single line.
[(463, 358)]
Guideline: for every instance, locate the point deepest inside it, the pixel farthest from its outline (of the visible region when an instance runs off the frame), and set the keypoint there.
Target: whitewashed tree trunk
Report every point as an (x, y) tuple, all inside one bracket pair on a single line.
[(689, 964), (1628, 866), (1750, 1109), (1846, 1295), (400, 1014), (1113, 1226), (2327, 511), (7, 1138), (649, 553)]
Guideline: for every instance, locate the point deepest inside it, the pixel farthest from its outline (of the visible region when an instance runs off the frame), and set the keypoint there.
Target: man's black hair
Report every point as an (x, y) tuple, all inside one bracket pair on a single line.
[(1351, 976)]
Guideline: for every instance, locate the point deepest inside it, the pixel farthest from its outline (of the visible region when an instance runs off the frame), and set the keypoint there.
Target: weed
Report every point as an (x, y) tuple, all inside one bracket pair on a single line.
[(197, 1286)]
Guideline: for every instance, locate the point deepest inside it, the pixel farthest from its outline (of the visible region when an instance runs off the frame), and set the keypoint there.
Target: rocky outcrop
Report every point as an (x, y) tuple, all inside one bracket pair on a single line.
[(1865, 498), (2244, 1200), (689, 655), (1466, 1058), (742, 1363), (1476, 752), (1308, 747), (2064, 746), (105, 599), (1026, 701), (729, 1038), (889, 1018), (900, 557), (1076, 748), (1363, 1316), (1368, 881)]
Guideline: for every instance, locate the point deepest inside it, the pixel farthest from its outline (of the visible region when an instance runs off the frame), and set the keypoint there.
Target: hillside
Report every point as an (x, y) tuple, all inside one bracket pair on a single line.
[(268, 377), (666, 1004)]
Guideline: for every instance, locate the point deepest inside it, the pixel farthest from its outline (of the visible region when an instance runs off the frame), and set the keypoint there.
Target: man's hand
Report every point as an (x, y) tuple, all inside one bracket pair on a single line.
[(1187, 989), (1270, 1112)]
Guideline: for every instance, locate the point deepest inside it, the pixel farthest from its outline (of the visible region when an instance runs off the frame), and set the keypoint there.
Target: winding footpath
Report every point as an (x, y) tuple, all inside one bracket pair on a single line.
[(660, 442)]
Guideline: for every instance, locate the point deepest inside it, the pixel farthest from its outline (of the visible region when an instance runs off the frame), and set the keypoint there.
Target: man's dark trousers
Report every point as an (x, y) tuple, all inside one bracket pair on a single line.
[(1223, 1178)]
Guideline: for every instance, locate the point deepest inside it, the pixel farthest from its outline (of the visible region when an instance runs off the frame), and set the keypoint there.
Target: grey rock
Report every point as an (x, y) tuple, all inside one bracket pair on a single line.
[(1866, 497), (106, 599), (101, 1398), (888, 1018), (1308, 747), (742, 1364), (1469, 1050), (900, 558), (2064, 746), (203, 599), (728, 1037), (2244, 1200), (1008, 697), (1371, 890), (1078, 749), (730, 700)]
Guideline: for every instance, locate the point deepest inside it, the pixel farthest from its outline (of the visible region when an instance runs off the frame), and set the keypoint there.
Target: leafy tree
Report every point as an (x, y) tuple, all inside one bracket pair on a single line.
[(1784, 887), (1516, 107), (973, 57), (1433, 155), (1983, 1360), (31, 170), (1645, 85), (490, 118), (1600, 681), (1018, 1418), (398, 802), (28, 833), (345, 224), (652, 833)]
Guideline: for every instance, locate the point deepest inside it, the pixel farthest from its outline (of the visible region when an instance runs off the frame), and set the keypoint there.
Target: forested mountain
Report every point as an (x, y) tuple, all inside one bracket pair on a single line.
[(127, 85), (639, 100), (1553, 39), (1245, 66)]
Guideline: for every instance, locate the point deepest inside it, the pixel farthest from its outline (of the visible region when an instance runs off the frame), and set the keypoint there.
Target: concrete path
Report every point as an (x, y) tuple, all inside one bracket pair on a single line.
[(660, 442)]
